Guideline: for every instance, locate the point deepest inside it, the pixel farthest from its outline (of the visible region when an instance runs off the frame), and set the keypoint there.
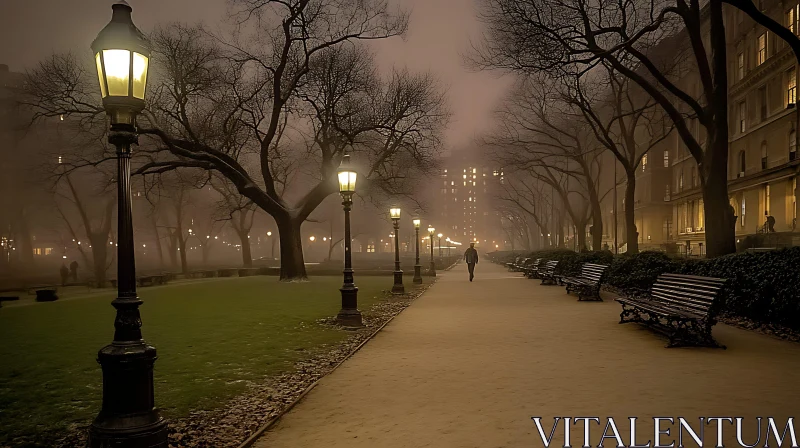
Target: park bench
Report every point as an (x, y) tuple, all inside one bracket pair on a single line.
[(587, 284), (151, 280), (511, 265), (519, 266), (548, 273), (532, 269), (684, 307)]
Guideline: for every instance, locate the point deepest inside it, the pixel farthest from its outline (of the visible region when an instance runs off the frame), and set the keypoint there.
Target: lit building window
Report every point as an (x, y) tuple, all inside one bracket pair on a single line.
[(741, 218), (740, 65), (59, 160), (666, 158), (644, 162), (762, 49), (370, 248), (766, 199), (791, 18), (742, 115), (791, 87)]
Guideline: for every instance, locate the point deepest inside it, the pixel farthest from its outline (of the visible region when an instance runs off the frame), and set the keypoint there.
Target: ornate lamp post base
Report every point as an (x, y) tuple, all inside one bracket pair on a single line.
[(417, 274), (349, 316), (128, 418), (398, 287)]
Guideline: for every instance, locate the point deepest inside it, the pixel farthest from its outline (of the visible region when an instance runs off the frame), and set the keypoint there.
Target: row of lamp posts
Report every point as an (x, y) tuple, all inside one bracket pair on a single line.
[(128, 417)]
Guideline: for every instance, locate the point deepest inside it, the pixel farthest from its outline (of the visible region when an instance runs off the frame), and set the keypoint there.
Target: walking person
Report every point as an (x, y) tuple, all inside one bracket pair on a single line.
[(73, 271), (471, 257)]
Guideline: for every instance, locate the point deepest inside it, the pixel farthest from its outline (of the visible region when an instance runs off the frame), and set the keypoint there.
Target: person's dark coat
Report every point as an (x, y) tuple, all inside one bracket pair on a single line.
[(471, 256)]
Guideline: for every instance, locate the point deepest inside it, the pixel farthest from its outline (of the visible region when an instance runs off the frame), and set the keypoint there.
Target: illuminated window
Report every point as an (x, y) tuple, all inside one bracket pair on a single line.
[(666, 158), (37, 251), (741, 218), (766, 199), (761, 55), (742, 115), (791, 18), (644, 162), (370, 248), (791, 87), (740, 65), (667, 194)]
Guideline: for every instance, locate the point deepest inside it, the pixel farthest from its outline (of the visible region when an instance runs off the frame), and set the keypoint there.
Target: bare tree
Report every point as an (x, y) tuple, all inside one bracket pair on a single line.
[(239, 211), (239, 106), (640, 41), (94, 223)]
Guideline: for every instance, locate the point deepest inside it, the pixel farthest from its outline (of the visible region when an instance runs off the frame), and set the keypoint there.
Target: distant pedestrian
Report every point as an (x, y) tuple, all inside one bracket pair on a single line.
[(73, 271), (471, 257), (64, 274)]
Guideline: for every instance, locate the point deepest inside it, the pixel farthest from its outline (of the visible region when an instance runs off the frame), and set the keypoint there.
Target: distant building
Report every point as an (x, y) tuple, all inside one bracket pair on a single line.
[(464, 211)]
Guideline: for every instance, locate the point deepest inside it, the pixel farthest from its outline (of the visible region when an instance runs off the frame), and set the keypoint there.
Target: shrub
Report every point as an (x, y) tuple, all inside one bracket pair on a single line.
[(635, 274), (760, 286)]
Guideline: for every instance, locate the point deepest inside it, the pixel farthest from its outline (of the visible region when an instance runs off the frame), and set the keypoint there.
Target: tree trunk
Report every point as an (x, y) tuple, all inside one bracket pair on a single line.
[(580, 233), (597, 217), (247, 257), (159, 246), (720, 221), (631, 233), (182, 253), (99, 257), (173, 249), (292, 264)]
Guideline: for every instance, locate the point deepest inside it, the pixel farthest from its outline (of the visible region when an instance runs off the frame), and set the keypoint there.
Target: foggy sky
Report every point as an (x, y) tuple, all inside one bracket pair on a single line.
[(439, 32)]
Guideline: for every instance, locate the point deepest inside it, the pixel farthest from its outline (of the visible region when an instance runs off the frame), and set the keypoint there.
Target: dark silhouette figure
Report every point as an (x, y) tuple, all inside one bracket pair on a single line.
[(770, 224), (73, 271), (64, 274), (471, 257)]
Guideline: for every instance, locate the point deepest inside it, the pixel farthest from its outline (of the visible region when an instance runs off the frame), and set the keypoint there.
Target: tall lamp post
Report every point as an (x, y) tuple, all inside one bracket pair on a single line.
[(128, 417), (433, 264), (440, 244), (349, 315), (397, 287), (417, 266)]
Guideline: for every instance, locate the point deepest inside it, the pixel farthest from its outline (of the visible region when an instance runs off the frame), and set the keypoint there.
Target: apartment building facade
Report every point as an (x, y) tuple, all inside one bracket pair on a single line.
[(463, 210)]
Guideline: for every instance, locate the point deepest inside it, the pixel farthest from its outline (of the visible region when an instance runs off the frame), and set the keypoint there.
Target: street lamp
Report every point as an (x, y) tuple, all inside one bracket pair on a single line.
[(398, 287), (417, 266), (128, 417), (440, 245), (349, 315), (433, 264)]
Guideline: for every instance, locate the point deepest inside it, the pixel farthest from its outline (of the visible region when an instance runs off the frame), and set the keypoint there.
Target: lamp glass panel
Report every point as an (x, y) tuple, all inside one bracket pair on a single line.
[(140, 65), (100, 75), (118, 68), (416, 223), (347, 181), (394, 212)]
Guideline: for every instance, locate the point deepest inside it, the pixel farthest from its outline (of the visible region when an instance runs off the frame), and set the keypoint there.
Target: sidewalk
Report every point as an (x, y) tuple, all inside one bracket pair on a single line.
[(469, 364)]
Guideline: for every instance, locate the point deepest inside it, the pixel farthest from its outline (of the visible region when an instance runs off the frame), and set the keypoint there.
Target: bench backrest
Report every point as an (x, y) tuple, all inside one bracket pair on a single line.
[(593, 271), (536, 262), (688, 292), (549, 267)]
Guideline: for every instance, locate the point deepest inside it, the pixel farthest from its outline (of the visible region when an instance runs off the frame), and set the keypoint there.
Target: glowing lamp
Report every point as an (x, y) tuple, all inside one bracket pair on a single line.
[(347, 177), (122, 58)]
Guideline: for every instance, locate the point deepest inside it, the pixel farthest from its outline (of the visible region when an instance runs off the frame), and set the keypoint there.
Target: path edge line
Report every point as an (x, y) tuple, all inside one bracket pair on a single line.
[(270, 423)]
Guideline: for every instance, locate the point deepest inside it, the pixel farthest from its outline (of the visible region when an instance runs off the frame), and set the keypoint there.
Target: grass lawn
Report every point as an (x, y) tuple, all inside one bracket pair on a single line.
[(213, 336)]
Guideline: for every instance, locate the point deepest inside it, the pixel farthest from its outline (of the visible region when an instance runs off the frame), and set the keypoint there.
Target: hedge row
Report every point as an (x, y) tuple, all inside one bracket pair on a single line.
[(761, 286)]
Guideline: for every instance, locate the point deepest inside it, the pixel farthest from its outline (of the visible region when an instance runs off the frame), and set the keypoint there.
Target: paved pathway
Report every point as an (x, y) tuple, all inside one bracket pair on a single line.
[(468, 364)]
